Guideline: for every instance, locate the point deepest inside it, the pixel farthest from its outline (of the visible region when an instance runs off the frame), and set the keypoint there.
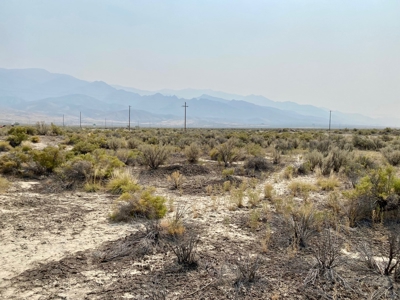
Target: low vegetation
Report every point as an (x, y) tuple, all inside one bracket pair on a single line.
[(253, 211)]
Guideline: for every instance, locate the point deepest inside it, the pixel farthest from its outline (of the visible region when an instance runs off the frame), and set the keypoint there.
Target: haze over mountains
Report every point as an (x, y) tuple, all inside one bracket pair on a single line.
[(30, 95)]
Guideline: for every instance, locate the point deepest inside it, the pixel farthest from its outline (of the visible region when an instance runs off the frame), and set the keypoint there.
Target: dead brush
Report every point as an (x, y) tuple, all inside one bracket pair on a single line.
[(176, 180), (389, 255), (184, 247), (247, 268), (327, 257)]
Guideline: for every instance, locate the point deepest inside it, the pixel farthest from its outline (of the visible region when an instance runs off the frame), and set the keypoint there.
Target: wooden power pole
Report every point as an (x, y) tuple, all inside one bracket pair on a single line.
[(185, 106)]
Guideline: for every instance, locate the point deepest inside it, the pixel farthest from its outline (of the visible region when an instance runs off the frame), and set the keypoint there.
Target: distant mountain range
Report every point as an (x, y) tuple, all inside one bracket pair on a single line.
[(30, 95)]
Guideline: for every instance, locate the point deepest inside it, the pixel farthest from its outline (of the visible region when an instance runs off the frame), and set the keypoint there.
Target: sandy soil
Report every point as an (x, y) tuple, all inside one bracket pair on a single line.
[(62, 246)]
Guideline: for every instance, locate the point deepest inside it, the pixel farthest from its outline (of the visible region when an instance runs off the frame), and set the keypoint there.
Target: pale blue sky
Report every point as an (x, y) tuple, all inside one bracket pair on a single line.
[(341, 55)]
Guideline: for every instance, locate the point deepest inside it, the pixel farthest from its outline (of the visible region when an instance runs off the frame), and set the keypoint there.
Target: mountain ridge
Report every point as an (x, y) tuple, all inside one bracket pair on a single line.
[(42, 92)]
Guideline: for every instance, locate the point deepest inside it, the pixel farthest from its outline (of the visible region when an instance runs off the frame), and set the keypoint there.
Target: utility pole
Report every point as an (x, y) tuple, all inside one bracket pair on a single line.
[(105, 123), (330, 119), (129, 126), (63, 121), (185, 113), (80, 120)]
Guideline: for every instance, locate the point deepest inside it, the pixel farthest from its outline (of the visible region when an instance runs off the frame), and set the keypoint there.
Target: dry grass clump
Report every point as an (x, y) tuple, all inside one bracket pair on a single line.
[(328, 184), (4, 184), (268, 191), (253, 197), (276, 156), (122, 181), (236, 198), (176, 180), (288, 172), (174, 225), (301, 189)]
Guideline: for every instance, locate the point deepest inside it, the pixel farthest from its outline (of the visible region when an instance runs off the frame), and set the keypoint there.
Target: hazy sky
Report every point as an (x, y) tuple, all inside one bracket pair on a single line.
[(341, 55)]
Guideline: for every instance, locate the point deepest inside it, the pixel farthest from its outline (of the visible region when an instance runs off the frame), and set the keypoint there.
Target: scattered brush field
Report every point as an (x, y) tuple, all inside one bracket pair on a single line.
[(201, 214)]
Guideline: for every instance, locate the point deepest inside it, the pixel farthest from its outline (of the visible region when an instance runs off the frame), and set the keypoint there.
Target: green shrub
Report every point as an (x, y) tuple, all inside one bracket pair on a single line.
[(83, 147), (5, 146), (47, 160), (144, 204), (35, 139), (17, 138), (153, 155), (55, 130)]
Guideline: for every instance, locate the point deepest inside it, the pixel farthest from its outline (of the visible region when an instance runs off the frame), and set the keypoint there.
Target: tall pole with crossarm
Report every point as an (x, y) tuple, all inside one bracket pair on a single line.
[(129, 126), (185, 113)]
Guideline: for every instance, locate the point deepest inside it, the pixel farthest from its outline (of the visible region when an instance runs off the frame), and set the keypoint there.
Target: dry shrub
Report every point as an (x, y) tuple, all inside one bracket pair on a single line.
[(236, 197), (302, 219), (192, 153), (389, 252), (77, 170), (228, 152), (392, 155), (153, 155), (247, 268), (116, 143), (335, 160), (276, 156), (185, 247), (122, 181), (257, 164), (327, 257), (176, 179), (133, 143), (314, 159)]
